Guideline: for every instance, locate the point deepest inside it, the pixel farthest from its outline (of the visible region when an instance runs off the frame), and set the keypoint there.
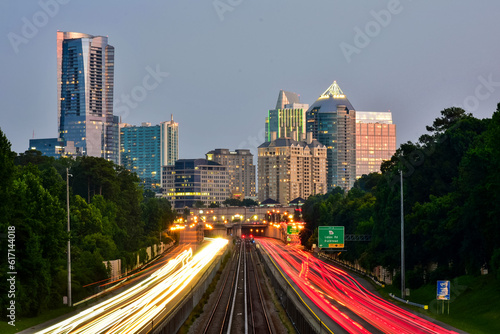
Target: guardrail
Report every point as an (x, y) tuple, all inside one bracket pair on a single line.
[(357, 271), (174, 316), (425, 307), (297, 310)]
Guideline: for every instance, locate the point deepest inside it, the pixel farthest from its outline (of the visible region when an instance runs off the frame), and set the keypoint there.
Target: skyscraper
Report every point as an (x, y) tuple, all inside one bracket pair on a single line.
[(240, 168), (169, 142), (146, 149), (85, 81), (332, 121), (375, 141), (290, 169), (288, 119)]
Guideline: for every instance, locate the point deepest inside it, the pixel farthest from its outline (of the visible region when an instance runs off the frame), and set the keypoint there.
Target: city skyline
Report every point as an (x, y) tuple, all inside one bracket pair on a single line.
[(400, 65)]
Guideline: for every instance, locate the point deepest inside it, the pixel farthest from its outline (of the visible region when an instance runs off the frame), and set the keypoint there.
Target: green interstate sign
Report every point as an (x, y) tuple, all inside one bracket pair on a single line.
[(290, 229), (331, 236)]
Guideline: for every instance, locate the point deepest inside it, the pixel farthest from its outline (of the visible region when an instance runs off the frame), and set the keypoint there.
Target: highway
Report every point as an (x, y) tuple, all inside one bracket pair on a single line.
[(137, 309), (332, 292)]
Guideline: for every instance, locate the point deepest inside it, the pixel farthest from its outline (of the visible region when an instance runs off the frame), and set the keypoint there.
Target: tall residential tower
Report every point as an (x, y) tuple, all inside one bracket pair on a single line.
[(146, 149), (290, 169), (85, 81)]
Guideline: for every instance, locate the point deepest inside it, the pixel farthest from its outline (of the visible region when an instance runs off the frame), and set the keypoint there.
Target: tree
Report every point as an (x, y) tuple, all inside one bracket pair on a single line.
[(34, 157), (41, 237), (232, 202), (6, 177), (198, 205), (450, 116), (249, 202)]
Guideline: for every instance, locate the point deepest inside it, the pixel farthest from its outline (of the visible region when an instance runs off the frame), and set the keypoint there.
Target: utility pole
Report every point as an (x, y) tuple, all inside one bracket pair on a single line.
[(69, 238), (402, 241)]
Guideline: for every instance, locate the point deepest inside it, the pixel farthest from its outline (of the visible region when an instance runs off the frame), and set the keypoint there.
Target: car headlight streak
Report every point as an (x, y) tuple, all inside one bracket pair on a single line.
[(139, 305)]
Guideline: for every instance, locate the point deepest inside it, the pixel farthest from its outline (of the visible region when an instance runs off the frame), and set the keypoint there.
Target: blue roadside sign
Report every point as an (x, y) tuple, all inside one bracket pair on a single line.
[(443, 290)]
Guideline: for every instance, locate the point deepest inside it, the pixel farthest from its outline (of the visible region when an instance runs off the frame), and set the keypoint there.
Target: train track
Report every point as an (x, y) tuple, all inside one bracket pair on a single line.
[(260, 322), (240, 305)]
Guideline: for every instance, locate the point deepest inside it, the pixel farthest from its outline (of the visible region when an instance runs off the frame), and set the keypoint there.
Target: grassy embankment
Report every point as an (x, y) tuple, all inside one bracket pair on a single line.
[(474, 305)]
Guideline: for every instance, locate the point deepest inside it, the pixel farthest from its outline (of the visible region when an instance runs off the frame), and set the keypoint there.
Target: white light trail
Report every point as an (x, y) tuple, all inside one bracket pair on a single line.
[(135, 308)]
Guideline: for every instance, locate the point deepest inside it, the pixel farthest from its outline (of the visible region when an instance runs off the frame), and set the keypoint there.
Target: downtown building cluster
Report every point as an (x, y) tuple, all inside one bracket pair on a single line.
[(308, 150), (313, 149)]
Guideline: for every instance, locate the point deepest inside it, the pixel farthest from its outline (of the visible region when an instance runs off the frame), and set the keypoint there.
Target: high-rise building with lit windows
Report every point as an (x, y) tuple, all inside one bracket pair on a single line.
[(189, 181), (50, 147), (288, 119), (85, 82), (332, 121), (290, 169), (145, 149), (240, 168), (375, 141)]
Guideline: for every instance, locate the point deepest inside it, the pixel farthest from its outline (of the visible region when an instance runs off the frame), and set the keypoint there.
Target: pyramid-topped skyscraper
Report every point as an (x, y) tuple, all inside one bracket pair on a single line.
[(332, 121)]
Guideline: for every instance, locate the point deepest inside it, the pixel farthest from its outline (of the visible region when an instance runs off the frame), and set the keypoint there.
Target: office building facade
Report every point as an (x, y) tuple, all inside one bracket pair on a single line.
[(50, 147), (145, 149), (240, 168), (85, 83), (189, 181), (332, 121), (290, 169), (375, 141), (288, 119)]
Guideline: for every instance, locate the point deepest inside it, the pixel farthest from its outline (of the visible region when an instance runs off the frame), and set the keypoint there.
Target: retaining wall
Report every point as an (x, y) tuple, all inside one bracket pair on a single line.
[(171, 319), (300, 316)]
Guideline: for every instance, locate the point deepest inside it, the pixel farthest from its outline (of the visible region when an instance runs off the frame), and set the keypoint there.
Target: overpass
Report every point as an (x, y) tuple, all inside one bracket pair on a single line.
[(195, 233)]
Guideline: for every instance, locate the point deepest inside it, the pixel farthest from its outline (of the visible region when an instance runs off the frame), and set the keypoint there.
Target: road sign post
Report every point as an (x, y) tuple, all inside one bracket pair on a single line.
[(443, 293), (331, 237)]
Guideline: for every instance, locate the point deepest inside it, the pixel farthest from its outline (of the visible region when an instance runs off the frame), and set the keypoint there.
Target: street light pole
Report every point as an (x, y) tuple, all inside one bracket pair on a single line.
[(69, 238), (402, 241)]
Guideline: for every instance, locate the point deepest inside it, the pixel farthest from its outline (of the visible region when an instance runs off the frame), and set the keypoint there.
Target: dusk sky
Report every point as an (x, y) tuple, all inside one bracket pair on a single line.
[(227, 60)]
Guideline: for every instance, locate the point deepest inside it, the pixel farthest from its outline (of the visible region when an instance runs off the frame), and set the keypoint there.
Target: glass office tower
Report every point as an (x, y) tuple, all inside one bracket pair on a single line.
[(332, 121), (50, 147), (145, 149), (375, 141), (85, 81), (195, 180), (288, 119)]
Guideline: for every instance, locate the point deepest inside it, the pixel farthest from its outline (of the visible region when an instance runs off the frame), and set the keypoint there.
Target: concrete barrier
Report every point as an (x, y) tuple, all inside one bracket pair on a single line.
[(298, 313), (170, 320)]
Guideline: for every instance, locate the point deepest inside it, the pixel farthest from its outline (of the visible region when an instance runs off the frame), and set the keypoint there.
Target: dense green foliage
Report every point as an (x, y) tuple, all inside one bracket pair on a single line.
[(237, 202), (451, 182), (110, 219)]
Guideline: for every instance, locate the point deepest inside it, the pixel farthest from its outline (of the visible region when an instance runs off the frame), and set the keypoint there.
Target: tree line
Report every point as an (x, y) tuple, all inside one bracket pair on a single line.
[(451, 181), (110, 219)]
